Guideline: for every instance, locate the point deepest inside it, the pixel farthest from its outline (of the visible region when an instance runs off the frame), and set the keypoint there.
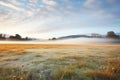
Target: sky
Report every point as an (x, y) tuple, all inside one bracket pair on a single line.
[(55, 18)]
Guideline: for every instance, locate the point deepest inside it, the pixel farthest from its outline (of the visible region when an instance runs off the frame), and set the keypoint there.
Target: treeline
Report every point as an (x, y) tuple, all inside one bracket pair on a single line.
[(109, 34), (11, 37), (112, 34)]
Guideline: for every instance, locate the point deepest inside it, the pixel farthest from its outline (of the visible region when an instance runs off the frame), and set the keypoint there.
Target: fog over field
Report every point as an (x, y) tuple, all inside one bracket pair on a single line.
[(65, 41), (59, 39)]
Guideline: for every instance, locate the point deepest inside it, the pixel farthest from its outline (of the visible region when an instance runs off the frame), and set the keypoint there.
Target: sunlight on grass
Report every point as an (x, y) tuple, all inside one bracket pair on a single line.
[(111, 71), (63, 73), (13, 58), (59, 62)]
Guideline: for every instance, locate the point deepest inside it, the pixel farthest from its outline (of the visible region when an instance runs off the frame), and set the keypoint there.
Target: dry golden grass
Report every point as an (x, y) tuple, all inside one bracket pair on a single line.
[(71, 57), (78, 62), (38, 55), (1, 54), (111, 71), (9, 59), (61, 73), (7, 47), (13, 49), (65, 57), (13, 74)]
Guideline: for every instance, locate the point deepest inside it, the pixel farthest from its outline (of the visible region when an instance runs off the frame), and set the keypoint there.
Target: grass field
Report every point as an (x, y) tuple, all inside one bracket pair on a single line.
[(59, 62)]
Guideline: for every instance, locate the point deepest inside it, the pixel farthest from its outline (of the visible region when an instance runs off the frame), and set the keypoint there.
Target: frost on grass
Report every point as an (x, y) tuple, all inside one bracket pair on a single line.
[(60, 62)]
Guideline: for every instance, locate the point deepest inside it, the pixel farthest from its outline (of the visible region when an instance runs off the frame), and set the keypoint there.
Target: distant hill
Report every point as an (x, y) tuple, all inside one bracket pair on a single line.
[(72, 36)]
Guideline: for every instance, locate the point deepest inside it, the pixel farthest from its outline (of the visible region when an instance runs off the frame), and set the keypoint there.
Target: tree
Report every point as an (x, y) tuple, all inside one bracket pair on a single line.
[(2, 36), (17, 36), (111, 34), (54, 38), (12, 37)]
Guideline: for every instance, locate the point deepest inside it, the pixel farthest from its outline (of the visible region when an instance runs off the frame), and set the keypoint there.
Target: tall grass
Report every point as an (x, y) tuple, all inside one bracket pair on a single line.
[(8, 73), (60, 62), (111, 71)]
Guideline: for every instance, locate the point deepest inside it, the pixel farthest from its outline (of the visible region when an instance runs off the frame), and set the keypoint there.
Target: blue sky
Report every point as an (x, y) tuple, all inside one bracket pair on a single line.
[(49, 18)]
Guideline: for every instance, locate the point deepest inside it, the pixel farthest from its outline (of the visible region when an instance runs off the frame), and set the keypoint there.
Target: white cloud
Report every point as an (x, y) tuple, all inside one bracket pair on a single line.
[(50, 2), (69, 12), (100, 9), (16, 8), (111, 1), (33, 1), (15, 2), (114, 2), (93, 4), (51, 9), (102, 14), (42, 13), (10, 6), (65, 0), (89, 3)]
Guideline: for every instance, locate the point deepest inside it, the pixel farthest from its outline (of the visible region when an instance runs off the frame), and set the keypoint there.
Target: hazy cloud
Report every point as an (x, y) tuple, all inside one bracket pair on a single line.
[(50, 2), (15, 2), (89, 3), (10, 6), (33, 1), (102, 9), (15, 8), (115, 2), (51, 9), (42, 16), (66, 0)]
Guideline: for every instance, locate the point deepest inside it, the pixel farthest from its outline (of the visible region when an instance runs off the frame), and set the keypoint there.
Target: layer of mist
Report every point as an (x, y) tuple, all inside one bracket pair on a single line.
[(65, 41)]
